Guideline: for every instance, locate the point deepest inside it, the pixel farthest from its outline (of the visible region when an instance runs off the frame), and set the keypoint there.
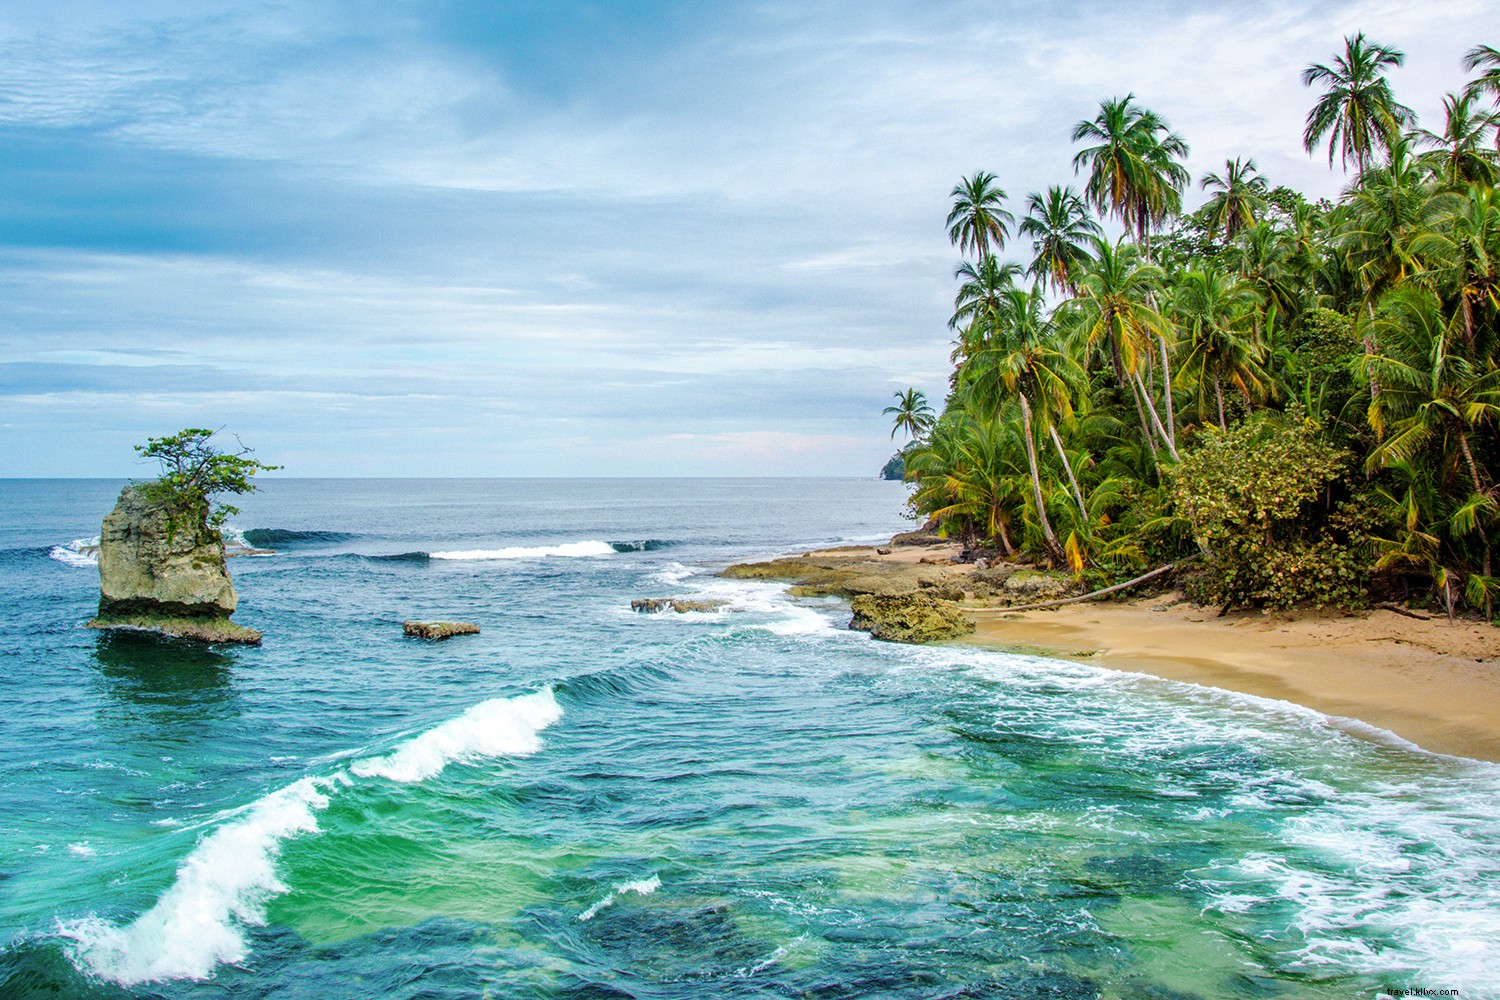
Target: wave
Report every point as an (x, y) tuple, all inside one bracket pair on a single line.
[(499, 727), (641, 887), (270, 538), (406, 557), (567, 550), (226, 881), (80, 553), (645, 545), (222, 886)]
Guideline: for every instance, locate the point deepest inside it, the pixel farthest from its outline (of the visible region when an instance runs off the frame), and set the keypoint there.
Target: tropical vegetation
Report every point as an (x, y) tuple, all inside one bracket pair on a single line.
[(1298, 399)]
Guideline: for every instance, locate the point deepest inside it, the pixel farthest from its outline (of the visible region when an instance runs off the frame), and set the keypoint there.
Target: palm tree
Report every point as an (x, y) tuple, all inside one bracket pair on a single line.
[(979, 219), (1458, 154), (1458, 254), (1115, 315), (1357, 112), (1487, 59), (977, 305), (912, 414), (1024, 364), (967, 472), (1239, 196), (1215, 310), (1134, 173), (1058, 223), (1428, 392)]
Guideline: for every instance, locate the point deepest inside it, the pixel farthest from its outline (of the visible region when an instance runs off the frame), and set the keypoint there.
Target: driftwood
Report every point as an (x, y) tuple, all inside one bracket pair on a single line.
[(1158, 571), (1404, 611)]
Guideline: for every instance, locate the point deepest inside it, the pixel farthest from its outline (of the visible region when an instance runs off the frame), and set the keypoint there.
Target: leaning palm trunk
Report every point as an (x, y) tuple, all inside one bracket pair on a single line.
[(1219, 396), (1161, 431), (1036, 484), (1166, 384), (1068, 468), (1135, 396)]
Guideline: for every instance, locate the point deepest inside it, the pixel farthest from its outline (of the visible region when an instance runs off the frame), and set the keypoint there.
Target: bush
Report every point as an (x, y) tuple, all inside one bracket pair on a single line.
[(1257, 499)]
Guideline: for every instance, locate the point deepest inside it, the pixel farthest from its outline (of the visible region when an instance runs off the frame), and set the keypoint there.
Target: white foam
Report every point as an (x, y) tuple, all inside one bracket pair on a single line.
[(221, 888), (500, 726), (82, 849), (641, 887), (81, 553), (571, 550), (223, 885)]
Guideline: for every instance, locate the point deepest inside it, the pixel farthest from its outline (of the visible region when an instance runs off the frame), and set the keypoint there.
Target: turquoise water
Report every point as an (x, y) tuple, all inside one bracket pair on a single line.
[(583, 801)]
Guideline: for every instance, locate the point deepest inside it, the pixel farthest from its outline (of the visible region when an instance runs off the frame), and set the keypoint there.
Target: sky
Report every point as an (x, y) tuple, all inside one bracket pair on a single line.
[(563, 238)]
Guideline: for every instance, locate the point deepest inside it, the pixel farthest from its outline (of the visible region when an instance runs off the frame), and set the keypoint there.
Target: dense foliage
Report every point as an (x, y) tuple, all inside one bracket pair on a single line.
[(193, 474), (1302, 395)]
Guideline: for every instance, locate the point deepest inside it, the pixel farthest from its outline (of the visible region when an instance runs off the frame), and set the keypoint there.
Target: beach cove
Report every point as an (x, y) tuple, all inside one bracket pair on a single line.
[(1414, 675)]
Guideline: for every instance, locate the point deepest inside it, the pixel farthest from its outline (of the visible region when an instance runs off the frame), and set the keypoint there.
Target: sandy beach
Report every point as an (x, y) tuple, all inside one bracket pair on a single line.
[(1429, 681)]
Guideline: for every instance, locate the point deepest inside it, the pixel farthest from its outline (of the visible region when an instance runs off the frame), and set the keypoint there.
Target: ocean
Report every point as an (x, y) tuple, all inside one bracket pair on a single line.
[(583, 801)]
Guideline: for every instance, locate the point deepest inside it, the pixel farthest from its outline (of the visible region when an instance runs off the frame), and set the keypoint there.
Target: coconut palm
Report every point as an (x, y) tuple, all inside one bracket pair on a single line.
[(967, 472), (979, 219), (1430, 395), (1357, 113), (1134, 169), (977, 305), (1059, 224), (1239, 197), (1486, 59), (1216, 312), (912, 414), (1458, 254), (1458, 154), (1116, 317)]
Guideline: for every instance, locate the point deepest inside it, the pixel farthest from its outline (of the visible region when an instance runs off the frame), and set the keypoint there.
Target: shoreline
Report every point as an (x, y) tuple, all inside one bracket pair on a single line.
[(1429, 682)]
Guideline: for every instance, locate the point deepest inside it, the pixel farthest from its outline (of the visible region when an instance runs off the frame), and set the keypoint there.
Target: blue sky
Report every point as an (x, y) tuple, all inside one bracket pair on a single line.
[(564, 238)]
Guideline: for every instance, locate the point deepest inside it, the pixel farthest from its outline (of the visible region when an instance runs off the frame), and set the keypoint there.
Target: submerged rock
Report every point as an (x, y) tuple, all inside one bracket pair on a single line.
[(162, 572), (654, 605), (438, 630), (915, 618)]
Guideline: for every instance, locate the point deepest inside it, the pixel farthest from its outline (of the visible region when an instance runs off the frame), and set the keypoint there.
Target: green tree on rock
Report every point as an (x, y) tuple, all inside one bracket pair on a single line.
[(194, 473)]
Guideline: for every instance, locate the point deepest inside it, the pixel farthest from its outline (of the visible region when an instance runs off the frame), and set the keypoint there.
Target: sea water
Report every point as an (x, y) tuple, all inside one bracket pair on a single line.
[(584, 801)]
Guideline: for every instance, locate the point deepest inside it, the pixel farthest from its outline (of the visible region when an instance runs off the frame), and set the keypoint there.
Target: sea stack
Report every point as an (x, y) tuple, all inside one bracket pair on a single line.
[(162, 572)]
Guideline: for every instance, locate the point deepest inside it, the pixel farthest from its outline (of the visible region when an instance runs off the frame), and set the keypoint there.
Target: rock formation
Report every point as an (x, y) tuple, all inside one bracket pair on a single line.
[(437, 630), (159, 572), (909, 618)]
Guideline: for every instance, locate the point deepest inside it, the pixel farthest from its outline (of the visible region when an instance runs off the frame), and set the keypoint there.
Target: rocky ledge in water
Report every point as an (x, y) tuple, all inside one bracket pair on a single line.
[(655, 605), (438, 630), (948, 577), (909, 618), (162, 573)]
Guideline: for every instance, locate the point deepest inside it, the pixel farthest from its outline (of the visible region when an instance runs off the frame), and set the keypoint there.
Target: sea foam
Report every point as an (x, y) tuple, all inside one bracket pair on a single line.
[(222, 886), (566, 550), (225, 882), (80, 553), (494, 728)]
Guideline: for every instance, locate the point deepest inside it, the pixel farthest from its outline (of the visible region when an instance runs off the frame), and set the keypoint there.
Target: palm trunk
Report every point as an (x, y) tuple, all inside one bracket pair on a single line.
[(1010, 549), (1156, 421), (1166, 379), (1369, 345), (1068, 467), (1130, 389), (1036, 483), (1219, 395)]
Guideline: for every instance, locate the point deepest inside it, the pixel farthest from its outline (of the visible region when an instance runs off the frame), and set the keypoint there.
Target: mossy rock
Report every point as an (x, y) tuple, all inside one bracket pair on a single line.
[(1034, 585), (655, 605), (202, 629), (915, 618), (438, 630)]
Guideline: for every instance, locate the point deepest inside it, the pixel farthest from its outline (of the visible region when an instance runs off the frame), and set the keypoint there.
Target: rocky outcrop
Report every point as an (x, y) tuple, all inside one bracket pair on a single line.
[(654, 605), (159, 572), (438, 630), (909, 618)]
